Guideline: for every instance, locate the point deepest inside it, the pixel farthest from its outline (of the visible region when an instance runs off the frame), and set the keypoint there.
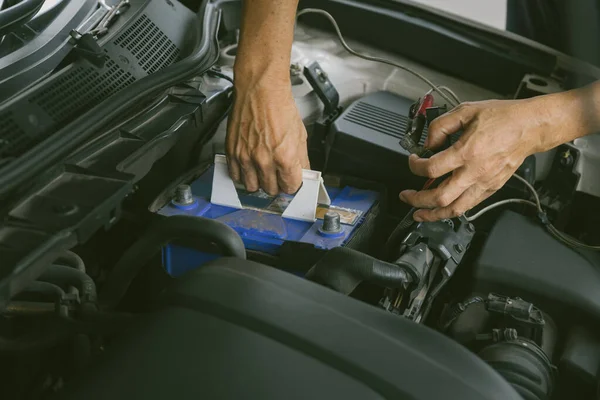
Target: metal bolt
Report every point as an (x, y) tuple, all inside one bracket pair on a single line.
[(566, 159), (183, 195), (75, 35), (470, 228), (331, 222), (295, 69), (459, 248), (321, 74)]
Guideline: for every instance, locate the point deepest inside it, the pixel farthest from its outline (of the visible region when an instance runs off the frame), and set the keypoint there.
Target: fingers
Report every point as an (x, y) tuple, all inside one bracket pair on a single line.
[(289, 166), (290, 179), (437, 165), (265, 170), (266, 141), (234, 169), (232, 163), (462, 204), (267, 179), (447, 124), (442, 196), (305, 161), (249, 175)]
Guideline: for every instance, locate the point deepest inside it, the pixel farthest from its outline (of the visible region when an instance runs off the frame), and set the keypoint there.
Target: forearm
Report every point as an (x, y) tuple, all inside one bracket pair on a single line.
[(566, 116), (265, 42)]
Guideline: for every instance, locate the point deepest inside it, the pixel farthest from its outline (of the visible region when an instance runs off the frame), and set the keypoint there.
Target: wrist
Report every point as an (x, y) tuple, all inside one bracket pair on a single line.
[(552, 120), (251, 73), (567, 116)]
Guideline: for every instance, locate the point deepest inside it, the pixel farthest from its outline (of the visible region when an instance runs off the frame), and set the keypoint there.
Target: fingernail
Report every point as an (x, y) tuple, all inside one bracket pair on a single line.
[(417, 217), (404, 194), (413, 157)]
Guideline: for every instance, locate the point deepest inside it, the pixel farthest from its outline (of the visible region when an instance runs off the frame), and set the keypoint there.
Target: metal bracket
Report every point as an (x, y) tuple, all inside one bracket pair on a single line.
[(223, 189), (303, 206), (319, 81)]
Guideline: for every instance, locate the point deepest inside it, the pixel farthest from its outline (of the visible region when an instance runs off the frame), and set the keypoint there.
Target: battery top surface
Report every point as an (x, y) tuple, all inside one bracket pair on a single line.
[(260, 224)]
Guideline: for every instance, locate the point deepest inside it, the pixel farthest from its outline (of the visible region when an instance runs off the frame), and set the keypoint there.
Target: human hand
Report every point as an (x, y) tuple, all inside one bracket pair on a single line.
[(497, 136), (266, 139)]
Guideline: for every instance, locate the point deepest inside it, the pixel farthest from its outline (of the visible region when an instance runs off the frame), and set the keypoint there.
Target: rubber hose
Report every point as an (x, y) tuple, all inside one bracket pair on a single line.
[(524, 365), (29, 308), (164, 231), (69, 276), (45, 288), (72, 260), (397, 233), (343, 269)]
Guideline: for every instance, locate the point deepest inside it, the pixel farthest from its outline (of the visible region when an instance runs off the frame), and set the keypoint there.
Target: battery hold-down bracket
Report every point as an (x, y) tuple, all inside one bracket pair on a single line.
[(303, 206)]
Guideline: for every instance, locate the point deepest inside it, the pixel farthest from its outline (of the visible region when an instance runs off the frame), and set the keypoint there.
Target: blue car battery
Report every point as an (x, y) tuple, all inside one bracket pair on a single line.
[(262, 227)]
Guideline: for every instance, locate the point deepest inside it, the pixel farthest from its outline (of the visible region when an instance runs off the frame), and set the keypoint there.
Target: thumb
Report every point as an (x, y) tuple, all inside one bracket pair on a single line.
[(448, 124)]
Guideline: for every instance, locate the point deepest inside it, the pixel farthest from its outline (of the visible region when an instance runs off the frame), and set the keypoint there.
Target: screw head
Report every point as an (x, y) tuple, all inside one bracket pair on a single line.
[(321, 74), (566, 159), (470, 228), (459, 248)]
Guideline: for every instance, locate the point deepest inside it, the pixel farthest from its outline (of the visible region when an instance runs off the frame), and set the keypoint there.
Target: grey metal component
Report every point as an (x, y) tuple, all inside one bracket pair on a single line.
[(588, 164), (183, 195), (331, 222), (534, 85)]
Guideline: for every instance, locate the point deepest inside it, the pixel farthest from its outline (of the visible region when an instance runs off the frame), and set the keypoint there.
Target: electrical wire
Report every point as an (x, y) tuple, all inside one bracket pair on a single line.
[(529, 186), (452, 98), (560, 236), (537, 204), (499, 204), (450, 92), (445, 89)]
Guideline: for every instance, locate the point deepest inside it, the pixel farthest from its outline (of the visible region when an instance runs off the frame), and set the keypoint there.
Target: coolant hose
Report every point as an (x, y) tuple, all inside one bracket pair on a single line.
[(63, 275), (343, 269), (164, 231)]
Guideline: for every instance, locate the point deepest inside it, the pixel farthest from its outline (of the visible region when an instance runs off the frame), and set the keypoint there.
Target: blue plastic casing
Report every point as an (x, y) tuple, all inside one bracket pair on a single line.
[(261, 231)]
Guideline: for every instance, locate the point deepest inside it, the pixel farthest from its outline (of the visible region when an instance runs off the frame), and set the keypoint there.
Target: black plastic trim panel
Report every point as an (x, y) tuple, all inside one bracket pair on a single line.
[(237, 329), (82, 129), (70, 202)]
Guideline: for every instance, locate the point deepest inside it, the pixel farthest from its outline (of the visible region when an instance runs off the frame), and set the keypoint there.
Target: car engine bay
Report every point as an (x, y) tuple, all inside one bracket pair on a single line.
[(125, 276)]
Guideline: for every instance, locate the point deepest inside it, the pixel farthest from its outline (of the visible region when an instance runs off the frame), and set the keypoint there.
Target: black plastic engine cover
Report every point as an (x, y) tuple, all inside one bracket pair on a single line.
[(235, 329), (367, 139), (365, 143), (520, 259)]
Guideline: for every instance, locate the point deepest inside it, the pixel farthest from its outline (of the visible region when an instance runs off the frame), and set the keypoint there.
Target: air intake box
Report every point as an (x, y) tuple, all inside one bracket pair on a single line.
[(270, 238), (365, 140)]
